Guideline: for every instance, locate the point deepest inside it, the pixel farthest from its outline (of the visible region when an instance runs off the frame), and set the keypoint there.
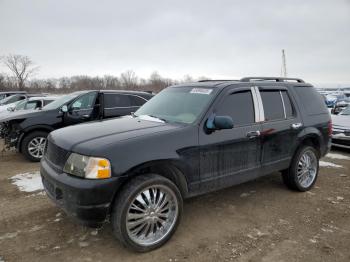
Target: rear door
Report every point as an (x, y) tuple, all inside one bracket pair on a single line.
[(280, 128), (118, 105), (231, 156)]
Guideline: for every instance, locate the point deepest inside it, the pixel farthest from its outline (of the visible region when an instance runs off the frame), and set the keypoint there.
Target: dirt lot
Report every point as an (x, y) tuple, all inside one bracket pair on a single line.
[(257, 221)]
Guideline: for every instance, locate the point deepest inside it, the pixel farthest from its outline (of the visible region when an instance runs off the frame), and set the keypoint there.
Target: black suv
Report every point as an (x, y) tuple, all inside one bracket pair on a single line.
[(28, 131), (188, 140)]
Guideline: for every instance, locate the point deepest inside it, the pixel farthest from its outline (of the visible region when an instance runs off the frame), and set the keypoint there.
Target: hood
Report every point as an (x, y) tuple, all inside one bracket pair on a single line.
[(341, 121), (20, 114), (106, 132), (14, 114)]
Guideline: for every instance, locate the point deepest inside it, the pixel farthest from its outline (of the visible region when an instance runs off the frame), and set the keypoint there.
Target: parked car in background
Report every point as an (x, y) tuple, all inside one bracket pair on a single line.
[(12, 100), (341, 129), (339, 106), (187, 140), (10, 93), (28, 131), (32, 103)]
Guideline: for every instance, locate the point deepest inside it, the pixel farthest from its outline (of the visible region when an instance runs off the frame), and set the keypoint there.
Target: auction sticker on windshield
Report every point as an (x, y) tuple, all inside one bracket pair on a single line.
[(202, 91)]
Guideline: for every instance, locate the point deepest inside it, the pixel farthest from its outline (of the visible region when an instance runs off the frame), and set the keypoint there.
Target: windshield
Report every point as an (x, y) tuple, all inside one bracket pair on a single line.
[(177, 104), (346, 111), (10, 99), (60, 101)]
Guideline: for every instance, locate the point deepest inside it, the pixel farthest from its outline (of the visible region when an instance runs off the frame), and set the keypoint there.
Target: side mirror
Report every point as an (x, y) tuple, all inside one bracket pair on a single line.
[(219, 122), (11, 109), (64, 109)]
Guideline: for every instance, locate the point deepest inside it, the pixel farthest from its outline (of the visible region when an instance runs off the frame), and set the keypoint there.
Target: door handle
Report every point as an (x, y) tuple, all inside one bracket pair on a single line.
[(296, 125), (253, 134)]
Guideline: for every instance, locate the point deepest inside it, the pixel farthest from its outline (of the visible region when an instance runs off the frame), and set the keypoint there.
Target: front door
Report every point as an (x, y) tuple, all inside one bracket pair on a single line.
[(81, 110), (231, 156)]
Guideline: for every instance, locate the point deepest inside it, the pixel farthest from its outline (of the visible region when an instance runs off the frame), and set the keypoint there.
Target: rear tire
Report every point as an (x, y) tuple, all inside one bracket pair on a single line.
[(33, 145), (303, 170), (146, 212)]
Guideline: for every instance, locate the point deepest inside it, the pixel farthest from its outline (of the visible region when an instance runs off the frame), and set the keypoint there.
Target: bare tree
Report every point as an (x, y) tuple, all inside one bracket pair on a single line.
[(22, 67), (128, 79)]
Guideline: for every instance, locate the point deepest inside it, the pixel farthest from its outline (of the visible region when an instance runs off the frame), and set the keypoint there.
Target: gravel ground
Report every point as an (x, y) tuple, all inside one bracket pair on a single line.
[(257, 221)]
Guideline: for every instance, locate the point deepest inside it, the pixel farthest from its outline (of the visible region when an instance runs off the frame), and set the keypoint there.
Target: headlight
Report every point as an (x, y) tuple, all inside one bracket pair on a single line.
[(87, 167)]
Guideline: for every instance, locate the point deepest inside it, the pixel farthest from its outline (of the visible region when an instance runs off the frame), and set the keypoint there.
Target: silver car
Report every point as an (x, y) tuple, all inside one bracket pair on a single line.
[(341, 129)]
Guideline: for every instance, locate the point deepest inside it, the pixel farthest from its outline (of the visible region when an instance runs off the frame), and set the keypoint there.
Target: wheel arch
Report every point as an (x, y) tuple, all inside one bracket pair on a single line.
[(311, 137), (29, 130), (170, 169)]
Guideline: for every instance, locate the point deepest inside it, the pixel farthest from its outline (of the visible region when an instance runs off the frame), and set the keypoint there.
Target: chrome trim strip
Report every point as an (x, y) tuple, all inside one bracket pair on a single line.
[(256, 105), (261, 106), (284, 107)]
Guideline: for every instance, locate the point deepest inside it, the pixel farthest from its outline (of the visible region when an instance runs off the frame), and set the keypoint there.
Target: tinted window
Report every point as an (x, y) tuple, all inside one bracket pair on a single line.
[(46, 102), (311, 100), (116, 100), (273, 106), (287, 104), (239, 106), (137, 101)]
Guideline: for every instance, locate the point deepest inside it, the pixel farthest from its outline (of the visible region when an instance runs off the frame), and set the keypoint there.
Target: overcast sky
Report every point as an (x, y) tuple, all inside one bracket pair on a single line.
[(200, 38)]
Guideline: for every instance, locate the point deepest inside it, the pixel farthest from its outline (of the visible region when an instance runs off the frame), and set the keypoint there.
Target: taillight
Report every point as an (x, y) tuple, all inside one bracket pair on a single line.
[(330, 128)]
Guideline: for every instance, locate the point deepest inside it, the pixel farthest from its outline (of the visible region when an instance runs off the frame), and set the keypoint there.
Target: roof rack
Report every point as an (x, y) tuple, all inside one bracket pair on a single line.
[(277, 79), (218, 80)]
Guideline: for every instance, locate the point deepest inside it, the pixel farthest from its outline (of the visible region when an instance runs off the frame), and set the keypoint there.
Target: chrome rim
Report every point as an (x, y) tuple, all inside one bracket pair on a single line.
[(307, 169), (152, 215), (36, 147)]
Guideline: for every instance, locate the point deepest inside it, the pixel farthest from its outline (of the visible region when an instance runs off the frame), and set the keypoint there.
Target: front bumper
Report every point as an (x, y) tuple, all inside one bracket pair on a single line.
[(88, 201), (341, 140)]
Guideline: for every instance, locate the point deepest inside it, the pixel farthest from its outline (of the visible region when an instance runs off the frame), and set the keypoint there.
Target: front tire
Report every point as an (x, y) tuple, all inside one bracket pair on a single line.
[(33, 145), (147, 212), (303, 171)]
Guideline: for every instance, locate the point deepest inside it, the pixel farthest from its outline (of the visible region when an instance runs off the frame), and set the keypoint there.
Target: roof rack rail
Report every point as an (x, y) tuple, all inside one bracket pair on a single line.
[(218, 80), (277, 79)]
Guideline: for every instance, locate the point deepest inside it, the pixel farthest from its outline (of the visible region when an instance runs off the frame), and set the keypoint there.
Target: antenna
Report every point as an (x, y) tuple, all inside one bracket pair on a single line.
[(284, 64)]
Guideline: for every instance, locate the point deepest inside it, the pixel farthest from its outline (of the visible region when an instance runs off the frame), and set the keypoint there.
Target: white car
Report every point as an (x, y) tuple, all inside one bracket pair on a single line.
[(341, 129), (11, 101)]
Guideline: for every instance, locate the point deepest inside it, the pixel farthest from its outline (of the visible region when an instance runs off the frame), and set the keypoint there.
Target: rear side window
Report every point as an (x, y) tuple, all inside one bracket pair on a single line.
[(137, 101), (239, 106), (117, 100), (311, 100), (273, 105)]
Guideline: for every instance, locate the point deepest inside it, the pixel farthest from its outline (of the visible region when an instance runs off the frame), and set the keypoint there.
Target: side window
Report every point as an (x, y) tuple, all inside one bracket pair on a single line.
[(287, 104), (273, 106), (46, 102), (239, 106), (84, 102), (137, 101), (311, 100), (116, 100)]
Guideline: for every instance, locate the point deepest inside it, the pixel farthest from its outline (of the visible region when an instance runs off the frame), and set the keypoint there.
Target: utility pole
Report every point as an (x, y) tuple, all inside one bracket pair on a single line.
[(284, 64)]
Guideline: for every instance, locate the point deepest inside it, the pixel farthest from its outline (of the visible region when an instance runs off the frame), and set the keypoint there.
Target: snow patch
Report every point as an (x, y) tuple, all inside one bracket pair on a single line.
[(337, 156), (329, 164), (28, 182), (8, 235)]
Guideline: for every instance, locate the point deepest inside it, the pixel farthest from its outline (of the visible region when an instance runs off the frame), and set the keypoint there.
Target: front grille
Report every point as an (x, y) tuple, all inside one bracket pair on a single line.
[(56, 155)]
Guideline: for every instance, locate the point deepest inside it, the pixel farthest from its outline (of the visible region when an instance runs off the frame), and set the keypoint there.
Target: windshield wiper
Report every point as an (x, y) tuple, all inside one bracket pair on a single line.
[(158, 118)]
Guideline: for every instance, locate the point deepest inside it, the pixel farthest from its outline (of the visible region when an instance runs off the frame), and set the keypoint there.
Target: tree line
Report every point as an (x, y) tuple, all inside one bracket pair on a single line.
[(22, 71)]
